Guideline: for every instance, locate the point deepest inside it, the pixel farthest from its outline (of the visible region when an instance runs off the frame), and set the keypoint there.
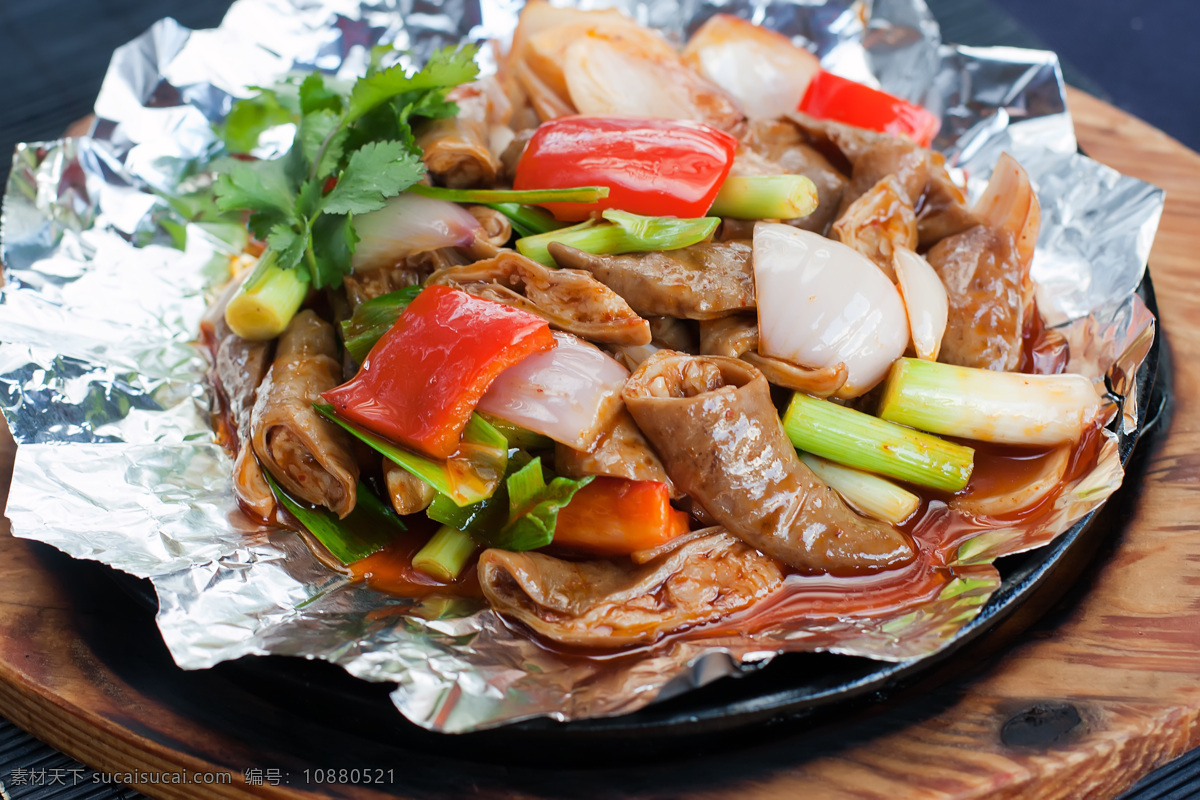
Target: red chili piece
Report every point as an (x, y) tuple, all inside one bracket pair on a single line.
[(832, 97), (423, 378), (654, 167)]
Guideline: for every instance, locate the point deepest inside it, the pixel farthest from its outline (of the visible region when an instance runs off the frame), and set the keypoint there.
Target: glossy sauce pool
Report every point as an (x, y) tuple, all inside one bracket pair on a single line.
[(937, 528)]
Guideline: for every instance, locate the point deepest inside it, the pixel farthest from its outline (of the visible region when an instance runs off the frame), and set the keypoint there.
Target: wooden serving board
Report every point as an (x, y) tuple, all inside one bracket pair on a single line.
[(1083, 704)]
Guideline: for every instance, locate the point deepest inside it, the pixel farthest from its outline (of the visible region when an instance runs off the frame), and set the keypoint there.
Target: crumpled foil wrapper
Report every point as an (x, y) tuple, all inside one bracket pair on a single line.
[(103, 385)]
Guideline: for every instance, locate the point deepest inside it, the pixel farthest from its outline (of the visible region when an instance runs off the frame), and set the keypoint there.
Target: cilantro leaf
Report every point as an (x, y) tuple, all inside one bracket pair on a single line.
[(250, 117), (333, 241), (288, 245), (261, 186), (316, 96), (308, 201), (322, 136), (445, 69), (374, 173)]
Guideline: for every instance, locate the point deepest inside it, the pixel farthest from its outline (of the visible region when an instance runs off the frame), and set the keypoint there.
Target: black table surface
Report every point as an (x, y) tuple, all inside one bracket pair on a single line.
[(53, 55)]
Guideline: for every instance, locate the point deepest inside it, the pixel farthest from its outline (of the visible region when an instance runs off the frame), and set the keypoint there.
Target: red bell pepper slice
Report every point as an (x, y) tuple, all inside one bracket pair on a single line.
[(654, 167), (423, 378), (832, 97), (614, 516)]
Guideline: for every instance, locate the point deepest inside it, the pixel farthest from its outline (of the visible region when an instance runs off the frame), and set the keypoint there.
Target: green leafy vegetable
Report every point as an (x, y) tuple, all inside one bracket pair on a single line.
[(253, 116), (373, 319), (527, 220), (521, 515), (621, 232), (373, 174), (367, 529), (533, 507), (353, 149), (575, 194), (446, 69), (470, 475)]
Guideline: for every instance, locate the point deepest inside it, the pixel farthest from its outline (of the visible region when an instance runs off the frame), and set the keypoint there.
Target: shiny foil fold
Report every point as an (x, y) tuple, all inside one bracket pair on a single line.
[(104, 387)]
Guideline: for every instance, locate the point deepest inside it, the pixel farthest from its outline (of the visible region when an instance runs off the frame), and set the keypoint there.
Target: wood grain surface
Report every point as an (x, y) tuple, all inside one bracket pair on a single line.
[(1109, 683)]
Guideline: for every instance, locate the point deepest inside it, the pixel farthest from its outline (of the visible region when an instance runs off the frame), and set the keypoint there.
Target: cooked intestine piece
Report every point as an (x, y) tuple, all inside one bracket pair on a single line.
[(778, 147), (895, 157), (570, 300), (712, 421), (737, 337), (621, 452), (411, 271), (239, 366), (457, 150), (943, 210), (307, 454), (250, 485), (879, 223), (611, 603), (495, 228), (704, 281), (837, 139), (409, 494), (986, 273), (669, 333), (759, 68)]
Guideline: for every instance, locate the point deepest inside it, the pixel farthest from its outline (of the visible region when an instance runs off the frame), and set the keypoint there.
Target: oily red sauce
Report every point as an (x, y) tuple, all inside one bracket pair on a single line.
[(937, 530), (1043, 351), (391, 570)]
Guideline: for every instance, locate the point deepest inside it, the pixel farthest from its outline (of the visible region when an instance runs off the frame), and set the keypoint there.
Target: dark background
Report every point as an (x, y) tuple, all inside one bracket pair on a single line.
[(1139, 55)]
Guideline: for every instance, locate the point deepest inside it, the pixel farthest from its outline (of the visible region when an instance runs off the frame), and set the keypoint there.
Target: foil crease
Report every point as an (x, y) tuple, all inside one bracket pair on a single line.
[(102, 384)]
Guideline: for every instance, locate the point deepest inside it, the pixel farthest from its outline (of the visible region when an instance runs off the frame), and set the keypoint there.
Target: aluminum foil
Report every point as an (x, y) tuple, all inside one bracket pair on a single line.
[(103, 386)]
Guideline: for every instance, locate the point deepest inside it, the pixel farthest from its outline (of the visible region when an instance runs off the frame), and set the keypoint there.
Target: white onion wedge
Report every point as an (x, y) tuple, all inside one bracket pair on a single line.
[(761, 69), (820, 303), (1010, 204), (570, 393), (615, 77), (998, 499), (409, 224), (925, 300)]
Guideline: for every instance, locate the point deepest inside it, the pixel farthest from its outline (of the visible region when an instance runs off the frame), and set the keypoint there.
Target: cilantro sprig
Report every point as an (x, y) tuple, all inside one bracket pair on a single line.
[(353, 149)]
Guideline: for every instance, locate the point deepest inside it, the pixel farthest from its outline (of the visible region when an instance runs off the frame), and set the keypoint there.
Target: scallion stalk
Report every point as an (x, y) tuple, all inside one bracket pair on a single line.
[(366, 530), (1003, 407), (444, 556), (469, 476), (765, 197), (373, 319), (267, 300), (575, 194), (518, 436), (527, 220), (870, 494), (621, 233), (859, 440)]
